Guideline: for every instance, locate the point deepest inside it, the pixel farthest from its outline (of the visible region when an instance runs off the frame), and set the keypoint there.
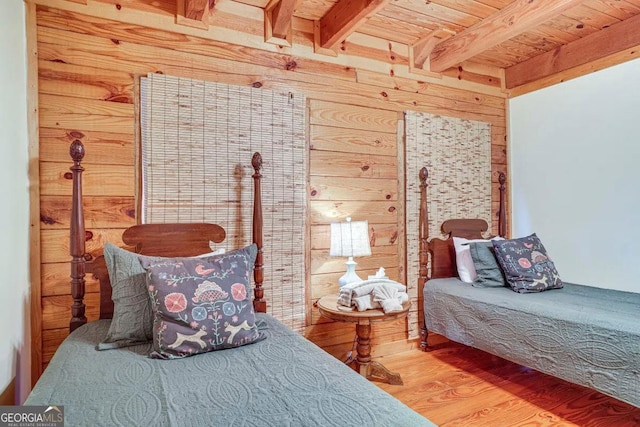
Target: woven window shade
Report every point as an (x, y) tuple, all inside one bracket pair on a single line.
[(457, 154), (197, 141)]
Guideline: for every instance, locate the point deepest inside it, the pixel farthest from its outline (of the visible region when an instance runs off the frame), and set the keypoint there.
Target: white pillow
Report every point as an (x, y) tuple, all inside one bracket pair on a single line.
[(219, 251), (464, 262)]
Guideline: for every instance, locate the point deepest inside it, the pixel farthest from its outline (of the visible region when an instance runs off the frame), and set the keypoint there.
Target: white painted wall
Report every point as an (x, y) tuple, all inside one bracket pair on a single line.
[(575, 175), (14, 196)]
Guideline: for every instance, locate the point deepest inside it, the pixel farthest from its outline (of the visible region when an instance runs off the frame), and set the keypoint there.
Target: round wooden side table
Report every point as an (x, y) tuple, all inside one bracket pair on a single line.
[(329, 308)]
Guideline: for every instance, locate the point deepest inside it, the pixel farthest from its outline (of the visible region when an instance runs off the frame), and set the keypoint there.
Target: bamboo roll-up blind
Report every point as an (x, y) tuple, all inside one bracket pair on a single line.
[(197, 141), (457, 153)]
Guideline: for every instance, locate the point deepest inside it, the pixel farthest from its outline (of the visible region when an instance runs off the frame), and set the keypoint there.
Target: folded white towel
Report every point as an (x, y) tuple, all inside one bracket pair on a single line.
[(364, 287), (387, 297), (364, 302), (361, 294)]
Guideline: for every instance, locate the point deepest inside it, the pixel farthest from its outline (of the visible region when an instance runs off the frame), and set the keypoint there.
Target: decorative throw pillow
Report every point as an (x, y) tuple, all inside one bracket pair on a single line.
[(527, 265), (488, 271), (201, 305), (132, 322), (464, 262)]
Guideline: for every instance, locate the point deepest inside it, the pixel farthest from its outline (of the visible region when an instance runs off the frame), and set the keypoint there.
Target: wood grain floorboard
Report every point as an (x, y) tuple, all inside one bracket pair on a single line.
[(456, 385)]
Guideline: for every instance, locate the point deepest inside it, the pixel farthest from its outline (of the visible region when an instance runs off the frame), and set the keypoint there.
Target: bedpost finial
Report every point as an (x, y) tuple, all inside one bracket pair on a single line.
[(256, 161), (76, 150), (502, 178), (424, 174)]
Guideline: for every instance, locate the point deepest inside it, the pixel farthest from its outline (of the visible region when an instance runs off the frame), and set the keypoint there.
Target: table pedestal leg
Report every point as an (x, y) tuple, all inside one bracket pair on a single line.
[(366, 367)]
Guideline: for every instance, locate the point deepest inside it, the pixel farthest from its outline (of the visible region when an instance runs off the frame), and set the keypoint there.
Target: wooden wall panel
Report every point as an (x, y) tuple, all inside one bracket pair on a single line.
[(323, 212), (344, 188), (56, 310), (156, 51), (341, 181), (461, 97), (55, 243), (87, 122), (322, 263), (352, 117), (101, 147), (58, 78), (59, 105), (99, 212), (88, 69), (104, 180), (346, 165), (51, 339), (361, 141), (55, 280), (122, 37)]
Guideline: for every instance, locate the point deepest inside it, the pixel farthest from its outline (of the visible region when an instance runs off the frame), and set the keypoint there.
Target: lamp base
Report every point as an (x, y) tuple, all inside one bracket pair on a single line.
[(350, 276)]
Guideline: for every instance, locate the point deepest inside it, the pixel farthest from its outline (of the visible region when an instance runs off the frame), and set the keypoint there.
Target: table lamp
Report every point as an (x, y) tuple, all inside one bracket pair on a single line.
[(350, 239)]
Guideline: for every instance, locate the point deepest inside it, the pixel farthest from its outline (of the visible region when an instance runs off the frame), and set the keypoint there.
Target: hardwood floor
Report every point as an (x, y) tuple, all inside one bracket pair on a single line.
[(455, 385)]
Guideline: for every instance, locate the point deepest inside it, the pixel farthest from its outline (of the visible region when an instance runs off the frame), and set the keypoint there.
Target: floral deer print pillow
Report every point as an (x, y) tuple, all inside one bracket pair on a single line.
[(526, 264), (201, 305)]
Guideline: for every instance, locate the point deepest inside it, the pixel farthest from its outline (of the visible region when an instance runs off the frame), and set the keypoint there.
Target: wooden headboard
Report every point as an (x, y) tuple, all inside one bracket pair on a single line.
[(170, 240), (441, 251)]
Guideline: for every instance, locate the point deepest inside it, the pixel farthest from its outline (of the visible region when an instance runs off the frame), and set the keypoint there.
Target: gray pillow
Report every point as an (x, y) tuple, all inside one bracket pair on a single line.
[(132, 320), (484, 260)]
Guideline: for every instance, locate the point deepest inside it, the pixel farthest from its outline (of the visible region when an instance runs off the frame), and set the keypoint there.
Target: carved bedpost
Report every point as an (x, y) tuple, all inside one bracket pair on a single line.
[(259, 304), (424, 254), (502, 214), (77, 240)]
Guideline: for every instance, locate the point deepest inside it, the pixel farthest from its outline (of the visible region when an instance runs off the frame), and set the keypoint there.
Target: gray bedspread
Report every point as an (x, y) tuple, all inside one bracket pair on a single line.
[(284, 380), (585, 335)]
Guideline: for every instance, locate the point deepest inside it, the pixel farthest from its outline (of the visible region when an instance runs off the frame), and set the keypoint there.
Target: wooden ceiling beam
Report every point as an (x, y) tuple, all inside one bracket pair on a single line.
[(194, 13), (282, 16), (517, 18), (608, 41), (278, 15), (423, 47), (344, 17)]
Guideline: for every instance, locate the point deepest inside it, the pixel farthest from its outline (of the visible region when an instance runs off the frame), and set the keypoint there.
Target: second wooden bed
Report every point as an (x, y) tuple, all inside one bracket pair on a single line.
[(582, 334)]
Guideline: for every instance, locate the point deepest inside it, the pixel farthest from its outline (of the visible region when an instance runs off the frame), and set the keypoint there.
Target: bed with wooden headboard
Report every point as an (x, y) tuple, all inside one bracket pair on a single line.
[(279, 379), (582, 334)]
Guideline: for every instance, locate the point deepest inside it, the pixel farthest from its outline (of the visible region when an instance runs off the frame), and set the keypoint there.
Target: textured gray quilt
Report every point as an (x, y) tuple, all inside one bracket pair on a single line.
[(284, 380), (585, 335)]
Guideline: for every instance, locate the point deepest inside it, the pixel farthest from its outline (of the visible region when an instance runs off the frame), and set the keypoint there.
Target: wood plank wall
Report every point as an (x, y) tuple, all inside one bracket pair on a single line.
[(88, 68), (353, 172)]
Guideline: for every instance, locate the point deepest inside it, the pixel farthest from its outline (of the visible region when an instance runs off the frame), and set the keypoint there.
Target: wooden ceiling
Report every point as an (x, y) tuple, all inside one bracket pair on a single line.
[(528, 39)]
